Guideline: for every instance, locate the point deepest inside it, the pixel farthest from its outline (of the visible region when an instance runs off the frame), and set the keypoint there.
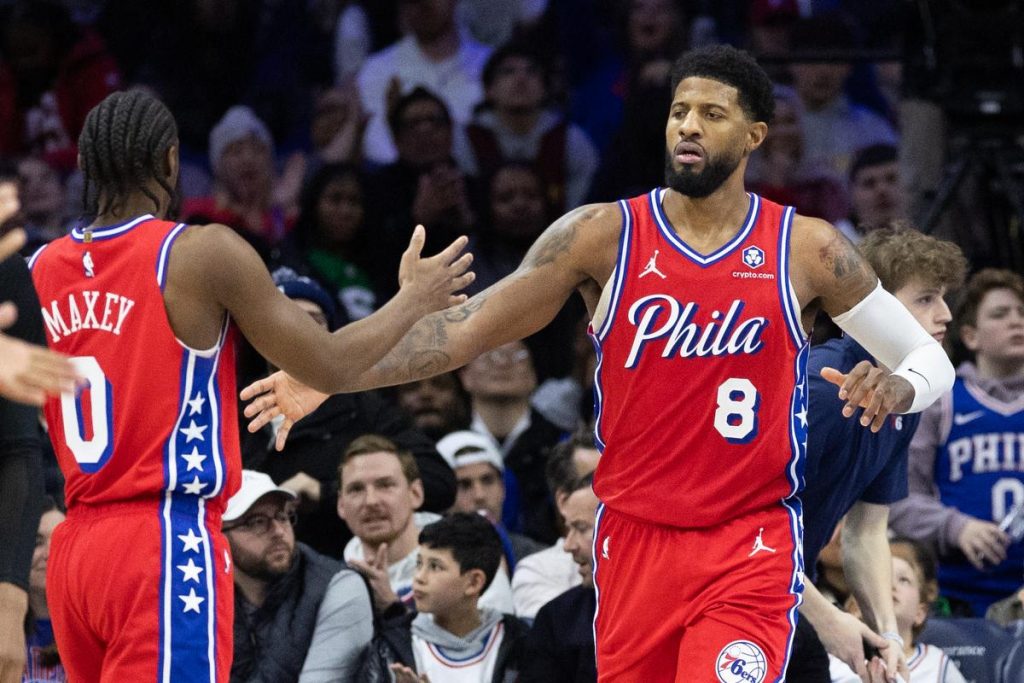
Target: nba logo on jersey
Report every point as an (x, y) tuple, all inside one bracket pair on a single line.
[(753, 256), (741, 662)]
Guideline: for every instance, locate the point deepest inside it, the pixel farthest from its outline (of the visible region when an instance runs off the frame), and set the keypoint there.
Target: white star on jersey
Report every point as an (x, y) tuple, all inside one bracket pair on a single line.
[(193, 431), (191, 541), (802, 416), (194, 460), (196, 404), (192, 601), (195, 487), (191, 571)]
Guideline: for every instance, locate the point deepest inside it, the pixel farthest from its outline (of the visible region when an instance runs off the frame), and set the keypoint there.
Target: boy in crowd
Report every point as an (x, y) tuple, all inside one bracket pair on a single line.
[(914, 588), (451, 637)]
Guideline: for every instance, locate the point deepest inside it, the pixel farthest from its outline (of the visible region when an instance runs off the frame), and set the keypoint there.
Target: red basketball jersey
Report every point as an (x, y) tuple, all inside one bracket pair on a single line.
[(157, 418), (701, 378)]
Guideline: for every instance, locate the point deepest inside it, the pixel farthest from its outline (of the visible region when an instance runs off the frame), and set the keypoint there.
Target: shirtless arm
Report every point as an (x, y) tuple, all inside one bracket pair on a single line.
[(829, 273), (212, 270), (577, 248)]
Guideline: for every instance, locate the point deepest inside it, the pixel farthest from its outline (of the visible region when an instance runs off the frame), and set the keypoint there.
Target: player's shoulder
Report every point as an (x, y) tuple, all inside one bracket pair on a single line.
[(584, 229), (202, 236), (811, 231)]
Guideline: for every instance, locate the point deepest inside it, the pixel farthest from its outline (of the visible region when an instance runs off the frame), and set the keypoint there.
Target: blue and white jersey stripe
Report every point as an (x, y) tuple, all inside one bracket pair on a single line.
[(193, 471)]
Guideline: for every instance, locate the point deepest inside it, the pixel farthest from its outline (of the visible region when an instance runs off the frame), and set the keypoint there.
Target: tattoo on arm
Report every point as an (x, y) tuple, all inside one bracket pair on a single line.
[(845, 263), (557, 239)]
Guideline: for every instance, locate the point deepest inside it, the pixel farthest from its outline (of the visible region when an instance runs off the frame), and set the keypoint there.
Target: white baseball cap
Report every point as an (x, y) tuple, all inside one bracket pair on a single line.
[(483, 450), (255, 485)]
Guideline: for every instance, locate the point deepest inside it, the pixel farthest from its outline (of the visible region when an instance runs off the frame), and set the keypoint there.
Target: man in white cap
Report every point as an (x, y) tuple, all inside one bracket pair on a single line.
[(289, 600), (479, 473)]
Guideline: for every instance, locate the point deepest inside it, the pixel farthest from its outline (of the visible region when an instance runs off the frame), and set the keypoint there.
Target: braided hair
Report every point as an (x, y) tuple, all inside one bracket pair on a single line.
[(123, 143)]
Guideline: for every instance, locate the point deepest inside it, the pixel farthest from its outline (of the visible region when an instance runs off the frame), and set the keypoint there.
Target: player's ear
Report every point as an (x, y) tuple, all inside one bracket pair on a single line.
[(756, 134), (171, 164)]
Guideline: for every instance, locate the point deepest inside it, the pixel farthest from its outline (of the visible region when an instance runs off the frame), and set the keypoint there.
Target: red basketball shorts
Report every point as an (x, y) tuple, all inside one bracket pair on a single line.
[(716, 605), (142, 592)]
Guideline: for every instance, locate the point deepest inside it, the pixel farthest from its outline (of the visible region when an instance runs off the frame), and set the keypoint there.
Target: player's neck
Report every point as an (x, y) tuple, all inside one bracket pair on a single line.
[(994, 368), (501, 415), (462, 620), (253, 590), (130, 208), (725, 208)]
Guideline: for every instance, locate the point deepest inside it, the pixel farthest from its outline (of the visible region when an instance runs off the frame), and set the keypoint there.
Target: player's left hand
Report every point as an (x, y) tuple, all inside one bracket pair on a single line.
[(404, 674), (879, 392)]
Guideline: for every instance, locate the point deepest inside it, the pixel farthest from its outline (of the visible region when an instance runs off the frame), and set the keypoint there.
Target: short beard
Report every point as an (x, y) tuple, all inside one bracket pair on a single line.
[(700, 185), (259, 568)]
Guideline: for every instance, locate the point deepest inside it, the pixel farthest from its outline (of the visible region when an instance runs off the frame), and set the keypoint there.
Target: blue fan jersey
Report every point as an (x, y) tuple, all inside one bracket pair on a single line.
[(980, 471)]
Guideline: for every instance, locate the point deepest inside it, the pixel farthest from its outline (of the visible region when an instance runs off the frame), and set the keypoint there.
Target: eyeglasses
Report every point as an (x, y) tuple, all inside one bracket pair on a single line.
[(258, 525)]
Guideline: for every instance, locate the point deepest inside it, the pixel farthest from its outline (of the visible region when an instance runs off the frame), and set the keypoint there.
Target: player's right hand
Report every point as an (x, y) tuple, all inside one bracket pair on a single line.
[(279, 394), (983, 543), (844, 636), (433, 282)]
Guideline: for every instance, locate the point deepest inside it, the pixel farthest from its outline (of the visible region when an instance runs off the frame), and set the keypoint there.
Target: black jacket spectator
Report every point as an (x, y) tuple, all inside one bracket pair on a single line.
[(560, 646), (271, 641)]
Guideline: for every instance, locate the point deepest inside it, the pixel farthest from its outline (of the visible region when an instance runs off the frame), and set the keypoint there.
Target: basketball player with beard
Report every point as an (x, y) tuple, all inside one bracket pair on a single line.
[(700, 296)]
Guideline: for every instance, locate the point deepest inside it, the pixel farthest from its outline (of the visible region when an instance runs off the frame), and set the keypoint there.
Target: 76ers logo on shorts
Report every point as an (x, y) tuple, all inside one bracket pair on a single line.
[(753, 257), (741, 662)]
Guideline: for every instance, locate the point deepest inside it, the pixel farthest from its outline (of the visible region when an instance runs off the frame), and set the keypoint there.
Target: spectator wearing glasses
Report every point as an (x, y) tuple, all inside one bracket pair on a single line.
[(500, 383), (289, 600)]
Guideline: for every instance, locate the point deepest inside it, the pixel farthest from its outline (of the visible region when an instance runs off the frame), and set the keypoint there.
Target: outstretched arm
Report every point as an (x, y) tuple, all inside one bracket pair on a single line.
[(578, 247), (212, 269)]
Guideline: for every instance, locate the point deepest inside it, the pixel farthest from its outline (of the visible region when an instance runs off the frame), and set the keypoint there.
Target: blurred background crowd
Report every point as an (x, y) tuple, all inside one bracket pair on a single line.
[(324, 130)]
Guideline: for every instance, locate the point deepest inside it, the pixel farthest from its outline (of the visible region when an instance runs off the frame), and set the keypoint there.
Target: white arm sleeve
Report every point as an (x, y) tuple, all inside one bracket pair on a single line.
[(887, 330)]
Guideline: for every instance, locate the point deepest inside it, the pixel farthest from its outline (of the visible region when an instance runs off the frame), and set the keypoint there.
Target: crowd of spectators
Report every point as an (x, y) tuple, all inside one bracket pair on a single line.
[(323, 131)]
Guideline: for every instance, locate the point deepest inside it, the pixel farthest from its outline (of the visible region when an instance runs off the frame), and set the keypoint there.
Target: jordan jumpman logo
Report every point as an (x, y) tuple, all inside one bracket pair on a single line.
[(759, 545), (652, 267)]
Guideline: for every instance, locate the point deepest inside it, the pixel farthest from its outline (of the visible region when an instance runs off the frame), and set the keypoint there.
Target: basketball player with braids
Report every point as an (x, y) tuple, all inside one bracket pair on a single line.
[(700, 296), (140, 575)]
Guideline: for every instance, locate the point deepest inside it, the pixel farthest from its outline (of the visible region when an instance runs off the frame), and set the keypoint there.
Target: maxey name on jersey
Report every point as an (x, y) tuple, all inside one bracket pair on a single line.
[(93, 310)]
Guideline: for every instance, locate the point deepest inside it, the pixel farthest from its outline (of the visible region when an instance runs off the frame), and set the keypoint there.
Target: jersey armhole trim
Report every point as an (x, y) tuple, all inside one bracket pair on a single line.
[(164, 254), (619, 272), (787, 295)]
